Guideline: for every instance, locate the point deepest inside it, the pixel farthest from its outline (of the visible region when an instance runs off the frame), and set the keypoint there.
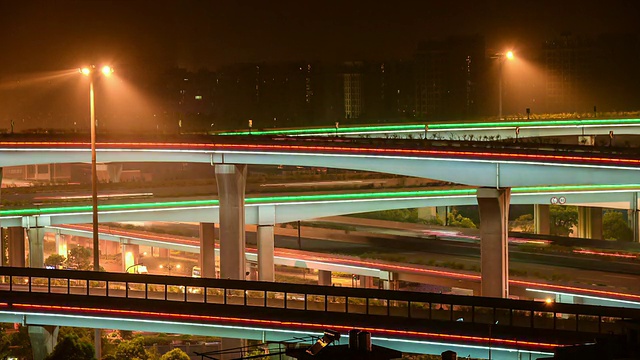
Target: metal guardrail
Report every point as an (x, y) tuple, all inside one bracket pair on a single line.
[(534, 315)]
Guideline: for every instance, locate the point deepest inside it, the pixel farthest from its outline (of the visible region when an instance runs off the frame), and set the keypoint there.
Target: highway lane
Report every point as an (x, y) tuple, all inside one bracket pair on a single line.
[(414, 264)]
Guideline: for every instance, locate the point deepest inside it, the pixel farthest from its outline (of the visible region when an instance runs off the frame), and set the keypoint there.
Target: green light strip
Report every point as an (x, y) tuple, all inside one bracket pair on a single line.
[(438, 126), (586, 122), (327, 130), (303, 198)]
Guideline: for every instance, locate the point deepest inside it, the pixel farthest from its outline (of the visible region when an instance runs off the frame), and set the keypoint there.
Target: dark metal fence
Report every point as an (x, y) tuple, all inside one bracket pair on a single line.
[(374, 302)]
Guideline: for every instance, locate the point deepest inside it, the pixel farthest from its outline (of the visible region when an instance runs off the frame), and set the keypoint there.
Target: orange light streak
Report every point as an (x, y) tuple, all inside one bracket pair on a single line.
[(286, 324)]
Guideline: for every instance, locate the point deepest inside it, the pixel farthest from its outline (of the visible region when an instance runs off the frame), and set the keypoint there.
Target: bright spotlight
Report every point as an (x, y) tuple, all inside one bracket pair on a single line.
[(107, 70), (85, 71), (510, 55)]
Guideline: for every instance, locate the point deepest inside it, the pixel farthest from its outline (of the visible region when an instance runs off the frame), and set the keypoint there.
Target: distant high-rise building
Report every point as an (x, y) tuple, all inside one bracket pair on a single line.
[(353, 82), (447, 77), (568, 62)]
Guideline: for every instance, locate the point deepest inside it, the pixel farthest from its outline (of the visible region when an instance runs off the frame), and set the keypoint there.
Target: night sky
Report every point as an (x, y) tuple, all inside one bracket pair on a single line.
[(52, 35)]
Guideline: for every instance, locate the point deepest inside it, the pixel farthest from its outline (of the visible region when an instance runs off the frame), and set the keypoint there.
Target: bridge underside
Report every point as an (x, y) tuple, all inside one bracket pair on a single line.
[(246, 323)]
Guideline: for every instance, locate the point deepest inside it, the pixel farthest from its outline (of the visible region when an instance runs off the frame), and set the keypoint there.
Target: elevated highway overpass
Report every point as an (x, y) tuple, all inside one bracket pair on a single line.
[(290, 208), (377, 269), (409, 322), (458, 130), (496, 166)]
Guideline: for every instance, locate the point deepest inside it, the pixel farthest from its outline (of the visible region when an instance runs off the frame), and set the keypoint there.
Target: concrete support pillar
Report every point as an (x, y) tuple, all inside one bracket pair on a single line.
[(324, 277), (493, 205), (43, 340), (111, 247), (130, 255), (590, 222), (266, 269), (163, 253), (231, 181), (428, 213), (633, 217), (541, 219), (207, 250), (253, 271), (4, 240), (36, 247), (115, 172), (16, 247), (366, 282), (62, 247), (232, 348), (441, 213)]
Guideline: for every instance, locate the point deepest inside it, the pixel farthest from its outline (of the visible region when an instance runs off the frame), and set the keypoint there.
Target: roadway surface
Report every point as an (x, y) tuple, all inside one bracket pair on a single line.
[(326, 245)]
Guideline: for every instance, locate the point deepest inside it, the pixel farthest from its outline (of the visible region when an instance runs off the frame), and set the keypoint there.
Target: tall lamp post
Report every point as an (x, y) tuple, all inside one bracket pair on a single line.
[(501, 57), (92, 73)]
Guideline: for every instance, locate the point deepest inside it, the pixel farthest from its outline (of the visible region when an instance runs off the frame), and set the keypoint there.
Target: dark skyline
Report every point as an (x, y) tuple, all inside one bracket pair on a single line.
[(45, 35)]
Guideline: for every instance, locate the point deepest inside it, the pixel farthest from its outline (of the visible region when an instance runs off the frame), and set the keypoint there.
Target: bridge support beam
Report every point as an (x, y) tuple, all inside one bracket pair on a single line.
[(266, 269), (634, 224), (541, 219), (494, 252), (4, 241), (366, 282), (114, 170), (130, 255), (231, 181), (441, 213), (43, 340), (324, 277), (16, 246), (590, 222), (208, 250), (36, 247), (62, 245)]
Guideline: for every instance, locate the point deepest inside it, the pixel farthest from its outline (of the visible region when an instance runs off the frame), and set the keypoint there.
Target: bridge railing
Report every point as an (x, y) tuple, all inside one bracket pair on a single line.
[(403, 304)]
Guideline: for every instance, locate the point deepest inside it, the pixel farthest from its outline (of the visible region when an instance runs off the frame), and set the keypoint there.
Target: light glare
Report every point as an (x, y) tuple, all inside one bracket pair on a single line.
[(107, 70), (510, 55), (85, 71)]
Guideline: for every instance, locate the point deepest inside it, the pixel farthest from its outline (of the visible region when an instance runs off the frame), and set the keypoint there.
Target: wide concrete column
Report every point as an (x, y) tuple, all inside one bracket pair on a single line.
[(542, 219), (16, 246), (115, 172), (493, 205), (632, 215), (590, 222), (441, 213), (43, 340), (130, 255), (208, 250), (62, 246), (4, 240), (324, 277), (427, 213), (36, 247), (231, 181), (266, 269), (365, 282)]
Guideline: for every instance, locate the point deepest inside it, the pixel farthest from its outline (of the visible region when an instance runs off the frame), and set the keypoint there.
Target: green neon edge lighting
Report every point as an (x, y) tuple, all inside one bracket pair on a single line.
[(327, 130), (439, 126), (353, 196)]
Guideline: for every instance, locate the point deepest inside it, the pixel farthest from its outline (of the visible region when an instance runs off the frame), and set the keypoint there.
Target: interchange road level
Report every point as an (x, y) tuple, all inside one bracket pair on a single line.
[(423, 273)]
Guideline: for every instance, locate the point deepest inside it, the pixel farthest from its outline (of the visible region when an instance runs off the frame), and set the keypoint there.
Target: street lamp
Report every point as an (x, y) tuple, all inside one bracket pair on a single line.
[(501, 57), (170, 267), (92, 73)]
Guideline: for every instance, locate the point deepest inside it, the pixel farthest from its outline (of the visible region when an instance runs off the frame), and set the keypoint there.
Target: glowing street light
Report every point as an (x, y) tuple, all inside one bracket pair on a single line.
[(502, 57), (92, 72)]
